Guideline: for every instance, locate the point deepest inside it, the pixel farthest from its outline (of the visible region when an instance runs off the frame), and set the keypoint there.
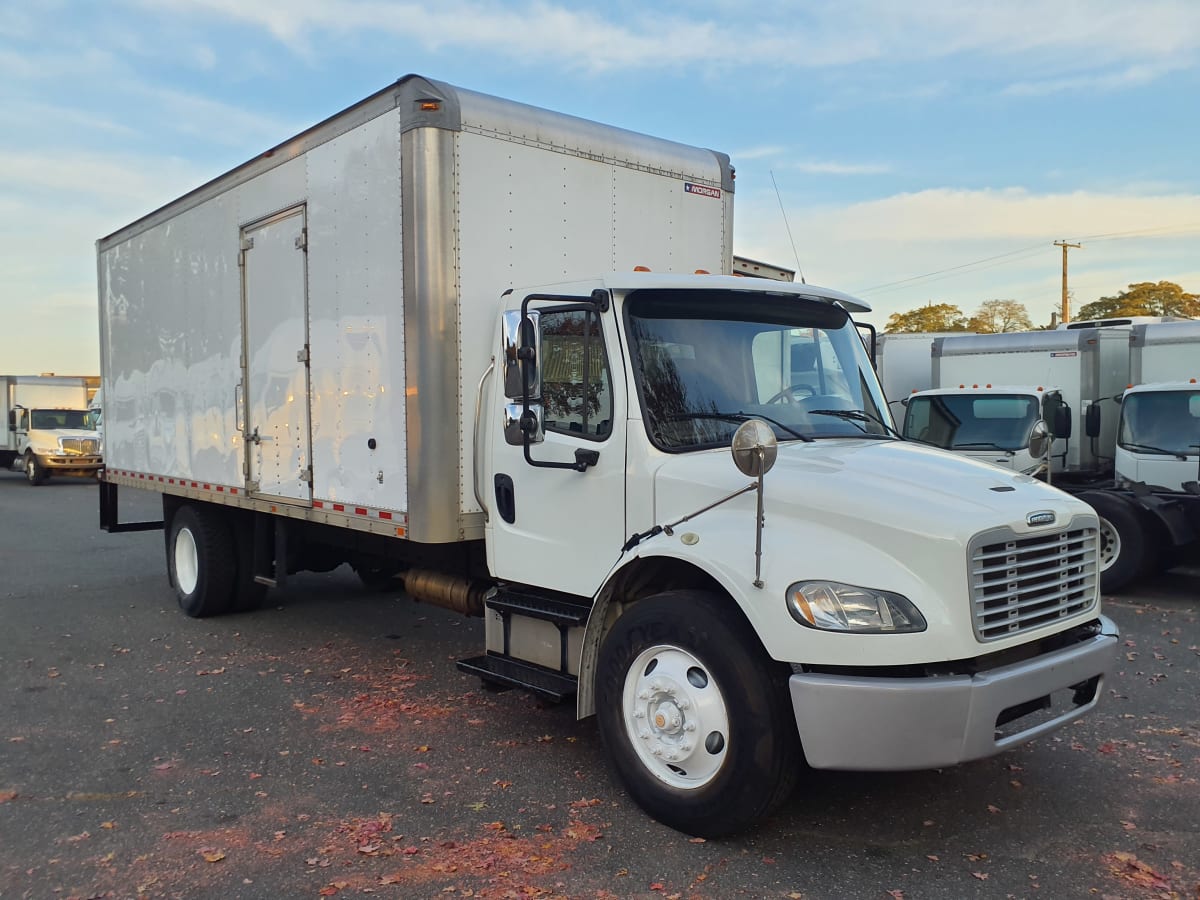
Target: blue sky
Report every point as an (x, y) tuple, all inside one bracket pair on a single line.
[(924, 151)]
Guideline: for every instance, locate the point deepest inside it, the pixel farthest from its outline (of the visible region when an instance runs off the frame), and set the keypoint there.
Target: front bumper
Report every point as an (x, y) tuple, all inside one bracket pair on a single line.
[(70, 465), (868, 723)]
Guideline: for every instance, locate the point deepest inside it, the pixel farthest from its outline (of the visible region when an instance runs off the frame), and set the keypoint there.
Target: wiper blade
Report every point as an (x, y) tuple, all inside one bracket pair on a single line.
[(982, 445), (739, 417), (1174, 453), (857, 416)]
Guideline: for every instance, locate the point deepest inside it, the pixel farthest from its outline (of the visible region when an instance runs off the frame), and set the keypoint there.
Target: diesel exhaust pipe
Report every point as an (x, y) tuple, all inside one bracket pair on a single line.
[(463, 595)]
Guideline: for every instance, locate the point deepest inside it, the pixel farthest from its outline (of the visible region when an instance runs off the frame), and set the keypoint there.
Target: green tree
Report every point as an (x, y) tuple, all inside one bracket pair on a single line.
[(1000, 315), (930, 317), (1146, 298)]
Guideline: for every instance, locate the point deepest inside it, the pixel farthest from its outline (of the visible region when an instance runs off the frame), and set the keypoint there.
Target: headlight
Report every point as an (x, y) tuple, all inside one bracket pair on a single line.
[(833, 606)]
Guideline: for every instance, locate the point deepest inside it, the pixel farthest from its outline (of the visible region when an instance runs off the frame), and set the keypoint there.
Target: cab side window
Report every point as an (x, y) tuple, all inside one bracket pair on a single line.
[(576, 387)]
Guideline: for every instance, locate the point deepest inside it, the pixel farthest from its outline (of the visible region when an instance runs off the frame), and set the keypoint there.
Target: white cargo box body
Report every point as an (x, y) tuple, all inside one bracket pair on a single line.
[(308, 331), (1166, 351), (904, 362), (1088, 366)]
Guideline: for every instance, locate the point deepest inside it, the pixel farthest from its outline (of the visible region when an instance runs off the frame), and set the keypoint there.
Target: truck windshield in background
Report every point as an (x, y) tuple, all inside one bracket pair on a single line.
[(963, 422), (1165, 422), (706, 363), (55, 419)]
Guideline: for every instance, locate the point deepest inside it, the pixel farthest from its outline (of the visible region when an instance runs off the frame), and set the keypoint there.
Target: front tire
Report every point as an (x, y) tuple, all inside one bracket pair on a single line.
[(695, 716), (201, 560), (35, 472)]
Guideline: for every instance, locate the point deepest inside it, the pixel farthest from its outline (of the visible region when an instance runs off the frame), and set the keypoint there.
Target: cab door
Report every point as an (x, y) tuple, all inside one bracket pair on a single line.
[(275, 375), (557, 487)]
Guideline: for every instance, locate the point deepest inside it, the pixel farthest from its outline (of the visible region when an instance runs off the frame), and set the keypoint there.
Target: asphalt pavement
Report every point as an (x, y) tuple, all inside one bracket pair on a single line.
[(326, 745)]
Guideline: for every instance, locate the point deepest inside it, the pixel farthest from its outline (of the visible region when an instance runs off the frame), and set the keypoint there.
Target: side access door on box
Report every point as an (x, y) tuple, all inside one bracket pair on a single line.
[(275, 360)]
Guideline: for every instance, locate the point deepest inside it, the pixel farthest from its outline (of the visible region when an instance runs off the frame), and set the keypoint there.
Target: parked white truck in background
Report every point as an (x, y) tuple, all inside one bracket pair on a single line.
[(995, 396), (48, 427), (1150, 513), (904, 361), (1130, 458), (324, 357)]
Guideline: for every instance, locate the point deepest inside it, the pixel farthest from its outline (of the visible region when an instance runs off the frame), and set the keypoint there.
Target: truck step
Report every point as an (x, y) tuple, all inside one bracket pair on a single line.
[(561, 609), (505, 670)]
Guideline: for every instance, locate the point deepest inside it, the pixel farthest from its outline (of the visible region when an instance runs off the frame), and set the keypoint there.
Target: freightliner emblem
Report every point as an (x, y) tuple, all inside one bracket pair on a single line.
[(1041, 517)]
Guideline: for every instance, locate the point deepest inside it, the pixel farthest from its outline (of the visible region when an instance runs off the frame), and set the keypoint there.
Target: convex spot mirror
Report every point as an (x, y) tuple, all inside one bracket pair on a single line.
[(754, 448), (1039, 440)]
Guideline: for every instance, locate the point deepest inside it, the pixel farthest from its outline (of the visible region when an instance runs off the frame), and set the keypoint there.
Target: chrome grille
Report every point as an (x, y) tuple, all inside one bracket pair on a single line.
[(1023, 582), (80, 446)]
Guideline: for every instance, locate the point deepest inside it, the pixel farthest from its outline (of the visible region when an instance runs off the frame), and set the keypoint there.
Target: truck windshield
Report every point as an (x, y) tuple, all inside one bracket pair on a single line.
[(52, 419), (971, 422), (706, 363), (1161, 422)]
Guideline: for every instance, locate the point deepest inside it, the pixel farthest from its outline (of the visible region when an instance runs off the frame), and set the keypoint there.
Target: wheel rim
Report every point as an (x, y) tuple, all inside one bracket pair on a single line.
[(187, 561), (30, 468), (675, 717), (1110, 545)]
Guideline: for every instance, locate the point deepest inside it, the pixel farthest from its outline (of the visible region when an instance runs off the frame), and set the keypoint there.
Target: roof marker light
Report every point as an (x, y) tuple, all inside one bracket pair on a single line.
[(641, 268)]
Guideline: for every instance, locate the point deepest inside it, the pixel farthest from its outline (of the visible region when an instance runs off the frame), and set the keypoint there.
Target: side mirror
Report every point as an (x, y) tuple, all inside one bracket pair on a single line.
[(1057, 415), (1091, 421), (754, 448), (1039, 440), (520, 355)]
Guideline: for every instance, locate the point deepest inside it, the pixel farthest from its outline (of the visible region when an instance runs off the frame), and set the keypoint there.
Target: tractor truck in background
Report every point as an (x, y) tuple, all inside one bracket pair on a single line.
[(391, 342), (49, 429)]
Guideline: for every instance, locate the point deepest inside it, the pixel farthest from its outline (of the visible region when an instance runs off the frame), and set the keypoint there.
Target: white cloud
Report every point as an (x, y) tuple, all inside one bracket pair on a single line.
[(971, 246), (1072, 36)]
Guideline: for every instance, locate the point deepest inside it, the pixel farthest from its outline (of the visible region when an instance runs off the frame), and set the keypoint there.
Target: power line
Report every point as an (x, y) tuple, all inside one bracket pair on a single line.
[(1013, 255)]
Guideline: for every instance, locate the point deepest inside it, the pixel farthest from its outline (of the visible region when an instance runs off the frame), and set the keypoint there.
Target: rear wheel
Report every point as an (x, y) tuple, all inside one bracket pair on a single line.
[(1123, 552), (694, 715), (35, 473), (201, 560)]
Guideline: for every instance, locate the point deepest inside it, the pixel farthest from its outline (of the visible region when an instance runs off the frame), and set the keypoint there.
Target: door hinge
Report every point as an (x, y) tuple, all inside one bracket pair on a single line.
[(306, 475), (302, 239), (252, 487), (247, 244), (303, 355)]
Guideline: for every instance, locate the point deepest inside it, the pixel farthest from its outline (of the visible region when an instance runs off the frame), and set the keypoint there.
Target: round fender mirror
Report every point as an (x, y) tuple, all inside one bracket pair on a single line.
[(754, 448), (1039, 440)]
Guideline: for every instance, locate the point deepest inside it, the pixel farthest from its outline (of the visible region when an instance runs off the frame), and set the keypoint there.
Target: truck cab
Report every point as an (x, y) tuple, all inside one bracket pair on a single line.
[(53, 441), (1007, 426), (864, 601), (1158, 441)]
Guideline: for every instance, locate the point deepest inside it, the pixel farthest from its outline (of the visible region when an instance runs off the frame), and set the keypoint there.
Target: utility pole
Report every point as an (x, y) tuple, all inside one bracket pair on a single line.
[(1066, 304)]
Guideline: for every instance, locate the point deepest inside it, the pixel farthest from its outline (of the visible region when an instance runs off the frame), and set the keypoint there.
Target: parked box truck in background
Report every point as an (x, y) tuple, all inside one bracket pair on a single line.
[(904, 361), (991, 391), (327, 356), (48, 427), (1150, 513)]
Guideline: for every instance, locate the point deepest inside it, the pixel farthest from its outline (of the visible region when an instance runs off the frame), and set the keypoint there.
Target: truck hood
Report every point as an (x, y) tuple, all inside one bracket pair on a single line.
[(884, 515), (53, 434), (885, 483)]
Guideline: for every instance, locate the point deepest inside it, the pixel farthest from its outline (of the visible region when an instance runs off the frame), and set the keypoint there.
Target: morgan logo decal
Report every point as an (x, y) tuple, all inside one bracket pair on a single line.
[(1041, 517), (702, 190)]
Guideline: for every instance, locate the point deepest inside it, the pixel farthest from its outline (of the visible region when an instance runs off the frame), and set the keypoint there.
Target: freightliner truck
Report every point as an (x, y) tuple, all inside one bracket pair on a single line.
[(676, 498)]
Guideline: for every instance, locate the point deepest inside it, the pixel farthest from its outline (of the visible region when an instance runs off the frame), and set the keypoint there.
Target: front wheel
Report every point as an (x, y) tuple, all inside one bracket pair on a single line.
[(694, 715), (35, 472)]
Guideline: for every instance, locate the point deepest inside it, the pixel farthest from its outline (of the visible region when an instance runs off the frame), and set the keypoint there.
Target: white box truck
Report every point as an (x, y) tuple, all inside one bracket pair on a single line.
[(327, 356), (48, 427), (993, 394), (904, 361), (1150, 513)]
